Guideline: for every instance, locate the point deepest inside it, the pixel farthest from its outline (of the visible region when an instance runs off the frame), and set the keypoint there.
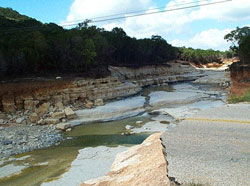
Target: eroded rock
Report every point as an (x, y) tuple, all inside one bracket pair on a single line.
[(58, 115), (43, 109), (89, 104), (33, 117), (99, 102), (63, 126), (51, 121), (142, 165), (70, 114)]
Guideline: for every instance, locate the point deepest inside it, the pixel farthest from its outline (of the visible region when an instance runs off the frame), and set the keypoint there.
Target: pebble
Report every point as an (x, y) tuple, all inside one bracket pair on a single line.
[(129, 127), (20, 120), (24, 138), (68, 130)]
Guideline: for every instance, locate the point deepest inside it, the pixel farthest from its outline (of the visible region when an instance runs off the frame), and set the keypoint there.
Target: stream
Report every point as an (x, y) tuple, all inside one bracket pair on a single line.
[(89, 149)]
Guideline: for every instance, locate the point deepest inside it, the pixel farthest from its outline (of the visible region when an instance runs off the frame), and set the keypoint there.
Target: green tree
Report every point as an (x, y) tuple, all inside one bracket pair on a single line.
[(89, 52)]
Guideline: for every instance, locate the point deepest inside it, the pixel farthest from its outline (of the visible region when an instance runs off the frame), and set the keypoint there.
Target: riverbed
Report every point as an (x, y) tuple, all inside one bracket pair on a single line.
[(90, 148)]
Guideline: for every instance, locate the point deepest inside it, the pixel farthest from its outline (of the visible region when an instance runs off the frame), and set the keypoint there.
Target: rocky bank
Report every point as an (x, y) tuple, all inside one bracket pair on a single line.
[(143, 164), (38, 104)]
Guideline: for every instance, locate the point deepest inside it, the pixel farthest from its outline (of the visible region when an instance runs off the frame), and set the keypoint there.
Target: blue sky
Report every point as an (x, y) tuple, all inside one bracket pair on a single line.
[(202, 27), (43, 10)]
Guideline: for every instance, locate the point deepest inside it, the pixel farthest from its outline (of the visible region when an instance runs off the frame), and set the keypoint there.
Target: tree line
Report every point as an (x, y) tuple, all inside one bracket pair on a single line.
[(200, 56), (29, 47), (48, 48)]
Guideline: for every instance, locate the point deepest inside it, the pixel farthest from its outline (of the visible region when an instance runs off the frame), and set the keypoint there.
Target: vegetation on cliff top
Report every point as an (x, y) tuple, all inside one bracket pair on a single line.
[(240, 38), (28, 47), (200, 56), (240, 72)]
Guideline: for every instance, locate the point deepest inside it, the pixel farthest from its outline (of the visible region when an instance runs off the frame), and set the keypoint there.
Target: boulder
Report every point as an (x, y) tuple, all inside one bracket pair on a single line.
[(69, 129), (41, 122), (1, 121), (30, 104), (59, 105), (70, 114), (89, 104), (99, 102), (9, 104), (33, 118), (20, 120), (57, 98), (129, 127), (63, 126), (58, 115), (51, 121), (139, 122), (2, 116), (43, 109), (66, 99), (19, 103)]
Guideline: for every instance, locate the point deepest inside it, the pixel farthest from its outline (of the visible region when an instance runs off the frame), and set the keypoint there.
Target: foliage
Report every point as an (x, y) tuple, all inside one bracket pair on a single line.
[(28, 47), (240, 39), (200, 56), (12, 14), (237, 99)]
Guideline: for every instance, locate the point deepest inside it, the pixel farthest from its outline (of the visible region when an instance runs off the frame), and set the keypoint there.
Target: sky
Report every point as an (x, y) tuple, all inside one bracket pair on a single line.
[(201, 27)]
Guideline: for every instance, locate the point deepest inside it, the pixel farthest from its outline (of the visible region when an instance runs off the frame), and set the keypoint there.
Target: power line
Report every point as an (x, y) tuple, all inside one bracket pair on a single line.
[(132, 12), (150, 13), (124, 17)]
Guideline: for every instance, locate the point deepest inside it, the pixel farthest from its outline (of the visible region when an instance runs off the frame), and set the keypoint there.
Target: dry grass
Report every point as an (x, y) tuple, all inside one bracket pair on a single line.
[(245, 97), (240, 89)]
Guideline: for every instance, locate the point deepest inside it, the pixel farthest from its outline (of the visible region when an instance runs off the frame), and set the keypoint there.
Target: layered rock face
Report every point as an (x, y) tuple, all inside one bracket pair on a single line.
[(39, 97), (174, 71), (143, 164), (49, 96)]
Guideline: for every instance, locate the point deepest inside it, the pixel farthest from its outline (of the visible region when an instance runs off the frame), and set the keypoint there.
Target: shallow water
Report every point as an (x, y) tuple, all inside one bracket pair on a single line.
[(49, 164)]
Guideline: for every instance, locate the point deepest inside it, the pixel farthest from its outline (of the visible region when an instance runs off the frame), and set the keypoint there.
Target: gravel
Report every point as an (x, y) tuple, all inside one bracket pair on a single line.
[(24, 138), (209, 152)]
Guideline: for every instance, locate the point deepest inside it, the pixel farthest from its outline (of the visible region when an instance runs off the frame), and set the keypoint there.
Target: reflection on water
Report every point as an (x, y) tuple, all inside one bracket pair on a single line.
[(47, 164), (106, 140), (59, 158)]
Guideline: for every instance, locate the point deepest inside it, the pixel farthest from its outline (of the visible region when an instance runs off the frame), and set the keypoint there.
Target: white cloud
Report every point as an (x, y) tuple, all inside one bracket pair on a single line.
[(212, 38), (86, 9), (235, 10), (166, 24)]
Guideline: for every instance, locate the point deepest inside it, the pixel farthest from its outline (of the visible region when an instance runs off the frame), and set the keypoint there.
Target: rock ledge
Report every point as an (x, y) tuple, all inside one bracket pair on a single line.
[(143, 164)]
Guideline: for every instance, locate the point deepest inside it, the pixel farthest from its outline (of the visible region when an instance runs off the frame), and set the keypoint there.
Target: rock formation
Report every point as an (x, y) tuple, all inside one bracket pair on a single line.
[(143, 164)]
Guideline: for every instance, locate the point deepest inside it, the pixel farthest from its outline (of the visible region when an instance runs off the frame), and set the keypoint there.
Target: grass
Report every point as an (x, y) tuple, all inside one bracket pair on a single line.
[(237, 99)]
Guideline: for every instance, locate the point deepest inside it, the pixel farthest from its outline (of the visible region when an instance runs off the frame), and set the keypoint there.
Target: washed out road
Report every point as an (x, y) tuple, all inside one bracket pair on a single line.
[(211, 147)]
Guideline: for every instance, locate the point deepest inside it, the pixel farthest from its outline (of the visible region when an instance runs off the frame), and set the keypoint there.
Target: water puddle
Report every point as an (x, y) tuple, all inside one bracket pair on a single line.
[(69, 159), (48, 164)]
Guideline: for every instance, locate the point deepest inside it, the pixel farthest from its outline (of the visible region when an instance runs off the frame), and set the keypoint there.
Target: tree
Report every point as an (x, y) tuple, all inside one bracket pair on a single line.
[(237, 37), (89, 52)]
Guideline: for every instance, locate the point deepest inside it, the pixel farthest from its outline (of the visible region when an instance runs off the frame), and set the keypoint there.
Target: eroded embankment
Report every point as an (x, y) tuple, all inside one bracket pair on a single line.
[(104, 133), (143, 164), (240, 89), (54, 101)]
